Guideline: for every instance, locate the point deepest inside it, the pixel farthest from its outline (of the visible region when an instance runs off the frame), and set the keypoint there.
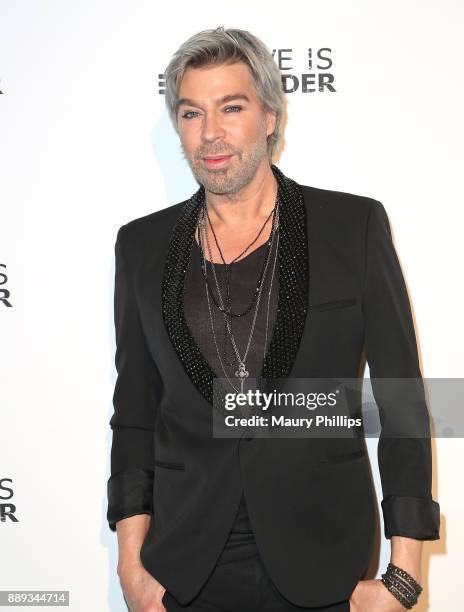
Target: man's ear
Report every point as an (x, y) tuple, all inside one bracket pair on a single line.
[(271, 121)]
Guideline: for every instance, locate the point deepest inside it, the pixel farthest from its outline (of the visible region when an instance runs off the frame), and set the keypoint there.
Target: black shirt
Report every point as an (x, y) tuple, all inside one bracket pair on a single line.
[(244, 276)]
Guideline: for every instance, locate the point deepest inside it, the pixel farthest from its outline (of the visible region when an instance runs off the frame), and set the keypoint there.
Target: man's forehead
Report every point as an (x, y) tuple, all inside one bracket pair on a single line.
[(221, 99), (233, 86)]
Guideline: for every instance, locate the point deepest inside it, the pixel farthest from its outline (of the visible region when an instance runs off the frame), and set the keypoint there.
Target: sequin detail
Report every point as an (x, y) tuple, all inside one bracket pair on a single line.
[(293, 298)]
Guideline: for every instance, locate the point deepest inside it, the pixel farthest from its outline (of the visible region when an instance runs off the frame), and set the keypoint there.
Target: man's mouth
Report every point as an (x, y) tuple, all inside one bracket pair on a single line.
[(219, 161)]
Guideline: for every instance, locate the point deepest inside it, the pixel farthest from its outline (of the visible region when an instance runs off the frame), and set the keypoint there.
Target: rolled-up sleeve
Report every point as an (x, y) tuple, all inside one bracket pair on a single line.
[(135, 400), (404, 448)]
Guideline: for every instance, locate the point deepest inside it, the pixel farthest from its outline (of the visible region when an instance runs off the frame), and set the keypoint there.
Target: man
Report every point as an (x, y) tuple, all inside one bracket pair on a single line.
[(242, 523)]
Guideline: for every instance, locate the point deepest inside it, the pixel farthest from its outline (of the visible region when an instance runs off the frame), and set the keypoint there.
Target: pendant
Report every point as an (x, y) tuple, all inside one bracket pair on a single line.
[(241, 373)]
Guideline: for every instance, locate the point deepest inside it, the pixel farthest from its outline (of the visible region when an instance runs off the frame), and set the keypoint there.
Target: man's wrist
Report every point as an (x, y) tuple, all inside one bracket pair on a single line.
[(412, 568), (406, 553), (128, 566), (401, 585)]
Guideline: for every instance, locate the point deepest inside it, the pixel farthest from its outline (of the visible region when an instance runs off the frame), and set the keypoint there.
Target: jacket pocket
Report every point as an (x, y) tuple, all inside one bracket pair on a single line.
[(334, 304), (342, 457), (170, 465)]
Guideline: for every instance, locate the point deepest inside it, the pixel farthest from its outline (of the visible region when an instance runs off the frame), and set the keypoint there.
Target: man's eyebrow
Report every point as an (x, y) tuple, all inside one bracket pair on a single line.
[(228, 98)]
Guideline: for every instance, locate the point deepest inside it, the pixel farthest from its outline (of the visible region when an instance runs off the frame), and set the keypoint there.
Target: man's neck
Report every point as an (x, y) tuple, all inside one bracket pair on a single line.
[(255, 201)]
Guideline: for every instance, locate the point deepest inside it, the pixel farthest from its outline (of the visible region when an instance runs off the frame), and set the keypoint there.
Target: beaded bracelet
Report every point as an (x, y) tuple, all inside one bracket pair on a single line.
[(402, 585)]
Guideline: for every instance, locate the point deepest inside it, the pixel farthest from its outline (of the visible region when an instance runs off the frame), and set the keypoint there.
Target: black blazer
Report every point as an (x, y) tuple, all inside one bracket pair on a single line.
[(311, 502)]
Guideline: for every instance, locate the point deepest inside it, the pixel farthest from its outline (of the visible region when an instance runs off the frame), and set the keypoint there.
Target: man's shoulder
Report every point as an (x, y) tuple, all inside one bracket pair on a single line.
[(343, 203), (148, 226), (346, 215)]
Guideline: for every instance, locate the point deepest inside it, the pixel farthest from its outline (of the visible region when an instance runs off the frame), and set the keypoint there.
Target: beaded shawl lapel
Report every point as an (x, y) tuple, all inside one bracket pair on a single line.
[(292, 304)]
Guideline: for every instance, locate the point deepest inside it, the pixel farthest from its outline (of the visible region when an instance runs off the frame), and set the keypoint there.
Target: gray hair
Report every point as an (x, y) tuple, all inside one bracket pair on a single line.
[(220, 46)]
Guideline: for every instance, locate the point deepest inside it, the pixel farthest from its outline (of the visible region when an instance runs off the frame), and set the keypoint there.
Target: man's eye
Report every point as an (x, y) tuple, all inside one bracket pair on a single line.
[(188, 114), (184, 116)]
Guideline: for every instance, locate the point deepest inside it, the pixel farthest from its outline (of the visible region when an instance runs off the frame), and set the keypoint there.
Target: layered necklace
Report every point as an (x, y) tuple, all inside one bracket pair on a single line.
[(224, 305)]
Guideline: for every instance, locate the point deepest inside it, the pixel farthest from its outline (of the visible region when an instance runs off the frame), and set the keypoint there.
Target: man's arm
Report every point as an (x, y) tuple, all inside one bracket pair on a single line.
[(407, 554), (404, 449), (135, 400), (131, 534)]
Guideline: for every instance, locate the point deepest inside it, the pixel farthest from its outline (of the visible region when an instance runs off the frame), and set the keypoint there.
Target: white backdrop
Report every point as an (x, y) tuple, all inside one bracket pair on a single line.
[(86, 145)]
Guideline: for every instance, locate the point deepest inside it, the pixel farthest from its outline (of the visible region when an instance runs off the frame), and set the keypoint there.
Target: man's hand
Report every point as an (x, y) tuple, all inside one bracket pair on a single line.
[(142, 592), (373, 596)]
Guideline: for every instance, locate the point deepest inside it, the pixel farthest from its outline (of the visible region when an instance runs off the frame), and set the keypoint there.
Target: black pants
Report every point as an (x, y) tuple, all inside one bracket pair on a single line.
[(242, 585)]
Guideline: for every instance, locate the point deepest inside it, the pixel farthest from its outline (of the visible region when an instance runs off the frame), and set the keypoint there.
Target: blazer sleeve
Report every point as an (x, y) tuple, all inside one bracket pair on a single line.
[(135, 400), (404, 447)]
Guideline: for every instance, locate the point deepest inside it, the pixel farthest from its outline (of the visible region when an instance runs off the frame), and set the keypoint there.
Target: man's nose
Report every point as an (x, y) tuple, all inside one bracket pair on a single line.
[(212, 127)]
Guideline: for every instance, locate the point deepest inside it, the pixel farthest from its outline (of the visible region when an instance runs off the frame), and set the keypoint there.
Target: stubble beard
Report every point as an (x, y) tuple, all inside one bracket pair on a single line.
[(241, 170)]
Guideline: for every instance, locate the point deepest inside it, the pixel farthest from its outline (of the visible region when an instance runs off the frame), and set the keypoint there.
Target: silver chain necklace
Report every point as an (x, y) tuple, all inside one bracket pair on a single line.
[(242, 372)]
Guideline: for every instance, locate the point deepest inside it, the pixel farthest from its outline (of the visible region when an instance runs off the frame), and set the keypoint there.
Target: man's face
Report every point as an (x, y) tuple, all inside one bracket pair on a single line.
[(210, 125)]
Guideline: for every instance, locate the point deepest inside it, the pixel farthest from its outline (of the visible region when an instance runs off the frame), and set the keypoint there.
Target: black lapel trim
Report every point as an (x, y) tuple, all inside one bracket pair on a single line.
[(293, 288)]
